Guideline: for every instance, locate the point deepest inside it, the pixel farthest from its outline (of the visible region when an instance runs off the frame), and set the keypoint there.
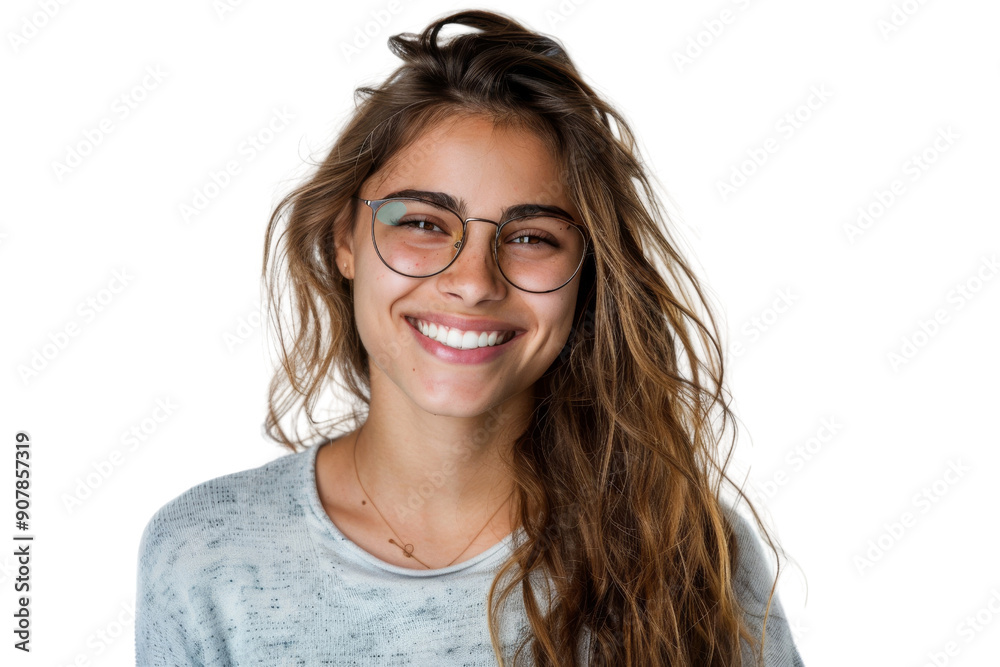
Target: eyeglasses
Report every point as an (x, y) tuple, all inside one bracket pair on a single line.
[(417, 238)]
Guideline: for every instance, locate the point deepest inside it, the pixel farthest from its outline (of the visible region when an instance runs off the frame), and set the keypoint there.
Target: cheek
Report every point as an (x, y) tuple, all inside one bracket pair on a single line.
[(560, 318), (567, 330), (375, 338), (380, 326)]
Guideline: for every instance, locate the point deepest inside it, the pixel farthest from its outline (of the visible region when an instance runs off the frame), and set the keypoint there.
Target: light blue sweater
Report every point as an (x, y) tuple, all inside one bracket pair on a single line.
[(248, 569)]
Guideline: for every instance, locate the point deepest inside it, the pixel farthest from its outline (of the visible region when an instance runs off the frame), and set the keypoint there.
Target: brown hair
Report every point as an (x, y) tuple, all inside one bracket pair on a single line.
[(618, 474)]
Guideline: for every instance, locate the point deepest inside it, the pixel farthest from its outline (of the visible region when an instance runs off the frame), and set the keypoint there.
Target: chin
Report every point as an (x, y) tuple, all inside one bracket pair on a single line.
[(446, 403)]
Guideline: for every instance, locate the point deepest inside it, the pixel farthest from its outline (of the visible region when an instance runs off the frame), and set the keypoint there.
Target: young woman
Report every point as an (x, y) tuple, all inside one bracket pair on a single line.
[(531, 473)]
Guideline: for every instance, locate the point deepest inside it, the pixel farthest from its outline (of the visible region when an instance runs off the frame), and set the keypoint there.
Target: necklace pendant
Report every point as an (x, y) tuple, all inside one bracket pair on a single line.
[(407, 548)]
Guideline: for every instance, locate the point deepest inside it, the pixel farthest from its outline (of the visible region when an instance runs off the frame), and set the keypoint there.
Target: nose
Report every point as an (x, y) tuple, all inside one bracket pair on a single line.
[(474, 274)]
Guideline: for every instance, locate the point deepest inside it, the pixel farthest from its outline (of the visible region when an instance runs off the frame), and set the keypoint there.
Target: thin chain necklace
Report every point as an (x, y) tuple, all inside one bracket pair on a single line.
[(408, 548)]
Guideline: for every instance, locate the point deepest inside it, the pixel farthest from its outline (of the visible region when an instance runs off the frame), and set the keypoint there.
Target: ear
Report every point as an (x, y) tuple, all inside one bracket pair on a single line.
[(345, 260), (344, 244)]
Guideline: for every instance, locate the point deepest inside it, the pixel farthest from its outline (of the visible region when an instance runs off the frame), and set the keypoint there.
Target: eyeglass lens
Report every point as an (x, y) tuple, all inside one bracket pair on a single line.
[(537, 253)]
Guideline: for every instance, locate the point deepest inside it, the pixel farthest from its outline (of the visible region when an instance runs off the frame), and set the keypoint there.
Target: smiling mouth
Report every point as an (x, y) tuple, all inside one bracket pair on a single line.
[(459, 339)]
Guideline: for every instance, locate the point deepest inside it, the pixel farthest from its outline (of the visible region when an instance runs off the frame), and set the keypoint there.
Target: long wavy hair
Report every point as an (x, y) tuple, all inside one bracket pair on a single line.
[(618, 474)]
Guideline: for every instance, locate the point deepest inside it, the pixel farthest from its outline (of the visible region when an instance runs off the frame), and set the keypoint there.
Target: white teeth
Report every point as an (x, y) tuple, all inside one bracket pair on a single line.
[(461, 340)]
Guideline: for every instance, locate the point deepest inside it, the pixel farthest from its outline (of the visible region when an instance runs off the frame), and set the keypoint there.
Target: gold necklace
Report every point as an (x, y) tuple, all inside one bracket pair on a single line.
[(408, 548)]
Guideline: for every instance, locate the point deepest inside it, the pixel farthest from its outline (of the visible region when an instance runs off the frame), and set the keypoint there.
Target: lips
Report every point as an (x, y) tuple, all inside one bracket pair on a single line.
[(461, 339)]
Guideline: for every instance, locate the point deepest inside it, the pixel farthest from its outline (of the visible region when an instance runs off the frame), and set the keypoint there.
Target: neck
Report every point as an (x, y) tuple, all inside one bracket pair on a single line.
[(436, 474)]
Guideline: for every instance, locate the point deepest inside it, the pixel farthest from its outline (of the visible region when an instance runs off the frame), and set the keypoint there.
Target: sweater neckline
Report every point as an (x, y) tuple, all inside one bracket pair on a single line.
[(329, 528)]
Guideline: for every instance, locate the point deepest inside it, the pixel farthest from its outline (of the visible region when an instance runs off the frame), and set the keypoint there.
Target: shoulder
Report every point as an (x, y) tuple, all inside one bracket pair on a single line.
[(191, 540), (214, 508), (755, 569), (754, 575)]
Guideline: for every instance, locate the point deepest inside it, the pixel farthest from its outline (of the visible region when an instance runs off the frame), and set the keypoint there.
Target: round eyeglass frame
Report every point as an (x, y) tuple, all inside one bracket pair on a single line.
[(375, 204)]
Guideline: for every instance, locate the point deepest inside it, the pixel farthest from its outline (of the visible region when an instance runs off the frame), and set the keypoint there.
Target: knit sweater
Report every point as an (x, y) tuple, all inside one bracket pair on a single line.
[(248, 569)]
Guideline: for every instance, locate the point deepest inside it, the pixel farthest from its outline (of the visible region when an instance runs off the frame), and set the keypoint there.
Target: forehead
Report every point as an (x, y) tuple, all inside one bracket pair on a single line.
[(488, 166)]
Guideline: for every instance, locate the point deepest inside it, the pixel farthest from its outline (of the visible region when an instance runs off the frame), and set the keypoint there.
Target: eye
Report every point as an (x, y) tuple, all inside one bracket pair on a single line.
[(416, 224), (532, 237)]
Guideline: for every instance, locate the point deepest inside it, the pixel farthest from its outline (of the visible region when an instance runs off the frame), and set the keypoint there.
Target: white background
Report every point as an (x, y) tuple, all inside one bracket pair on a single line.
[(888, 90)]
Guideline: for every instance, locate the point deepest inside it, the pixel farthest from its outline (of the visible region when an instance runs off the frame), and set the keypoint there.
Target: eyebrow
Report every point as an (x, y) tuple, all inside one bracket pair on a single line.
[(447, 201)]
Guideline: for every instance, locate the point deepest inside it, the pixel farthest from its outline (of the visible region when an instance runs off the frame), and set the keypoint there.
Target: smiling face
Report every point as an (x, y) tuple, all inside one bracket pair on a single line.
[(485, 170)]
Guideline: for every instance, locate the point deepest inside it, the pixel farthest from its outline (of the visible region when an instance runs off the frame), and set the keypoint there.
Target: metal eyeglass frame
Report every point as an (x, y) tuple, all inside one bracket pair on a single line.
[(374, 205)]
